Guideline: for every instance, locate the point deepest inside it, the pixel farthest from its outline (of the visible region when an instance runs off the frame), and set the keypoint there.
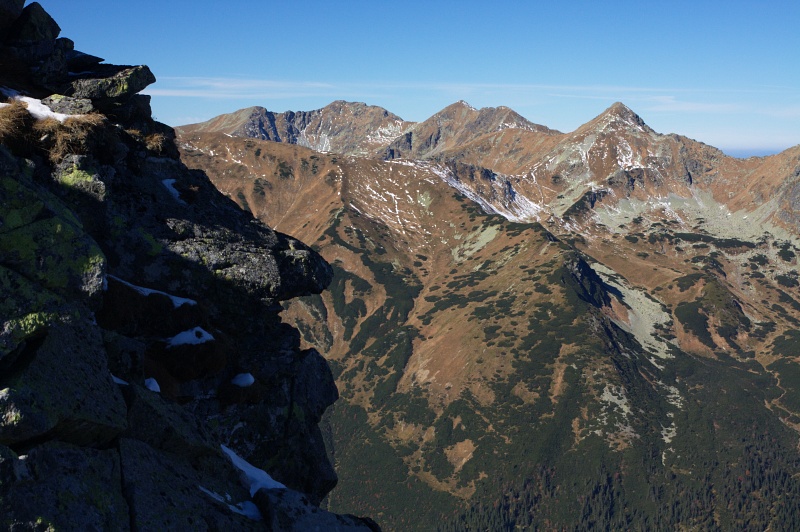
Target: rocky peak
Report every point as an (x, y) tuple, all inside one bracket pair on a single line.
[(34, 24), (454, 127), (619, 113), (10, 10)]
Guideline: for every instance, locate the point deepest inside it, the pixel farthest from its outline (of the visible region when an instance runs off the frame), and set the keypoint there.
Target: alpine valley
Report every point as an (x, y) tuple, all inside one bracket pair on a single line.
[(532, 329)]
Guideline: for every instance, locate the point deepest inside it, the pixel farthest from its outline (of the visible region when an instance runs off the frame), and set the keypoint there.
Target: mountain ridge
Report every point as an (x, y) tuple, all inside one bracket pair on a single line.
[(496, 319), (331, 128)]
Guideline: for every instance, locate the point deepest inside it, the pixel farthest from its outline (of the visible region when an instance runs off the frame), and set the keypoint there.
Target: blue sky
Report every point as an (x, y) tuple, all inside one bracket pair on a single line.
[(725, 73)]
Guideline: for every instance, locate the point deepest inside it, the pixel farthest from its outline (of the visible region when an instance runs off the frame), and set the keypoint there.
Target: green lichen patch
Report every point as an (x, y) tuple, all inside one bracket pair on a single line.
[(18, 205), (26, 309), (154, 247), (29, 324), (55, 253), (75, 177)]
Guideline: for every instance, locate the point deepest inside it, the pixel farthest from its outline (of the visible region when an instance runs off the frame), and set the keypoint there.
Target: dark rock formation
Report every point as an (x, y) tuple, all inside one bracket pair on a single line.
[(122, 270), (10, 10), (60, 485)]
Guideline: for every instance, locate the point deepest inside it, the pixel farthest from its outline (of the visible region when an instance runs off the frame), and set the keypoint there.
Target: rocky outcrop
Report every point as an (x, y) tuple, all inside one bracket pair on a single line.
[(60, 485), (10, 10), (143, 363)]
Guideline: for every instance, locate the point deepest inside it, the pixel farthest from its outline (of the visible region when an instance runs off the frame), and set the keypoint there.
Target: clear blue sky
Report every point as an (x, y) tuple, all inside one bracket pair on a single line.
[(726, 73)]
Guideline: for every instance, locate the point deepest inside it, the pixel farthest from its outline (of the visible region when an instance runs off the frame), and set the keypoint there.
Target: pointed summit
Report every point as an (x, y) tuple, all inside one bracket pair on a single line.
[(464, 103), (621, 112), (454, 127)]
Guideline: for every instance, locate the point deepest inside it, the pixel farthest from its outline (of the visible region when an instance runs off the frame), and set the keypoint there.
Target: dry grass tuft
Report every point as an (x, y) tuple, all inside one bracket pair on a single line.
[(15, 122), (72, 137), (156, 142)]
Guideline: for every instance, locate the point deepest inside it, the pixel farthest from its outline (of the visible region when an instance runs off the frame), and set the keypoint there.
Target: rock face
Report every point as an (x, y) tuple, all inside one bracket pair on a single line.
[(123, 272), (10, 10)]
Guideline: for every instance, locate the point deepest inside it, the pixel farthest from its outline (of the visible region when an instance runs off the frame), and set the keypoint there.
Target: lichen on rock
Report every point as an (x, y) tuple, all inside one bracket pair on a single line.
[(103, 270)]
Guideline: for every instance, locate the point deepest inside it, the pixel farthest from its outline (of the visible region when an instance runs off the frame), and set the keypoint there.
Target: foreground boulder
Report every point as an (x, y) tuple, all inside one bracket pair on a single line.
[(146, 378)]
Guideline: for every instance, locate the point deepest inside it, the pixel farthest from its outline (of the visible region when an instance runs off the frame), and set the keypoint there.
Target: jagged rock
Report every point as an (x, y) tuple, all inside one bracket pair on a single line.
[(78, 62), (68, 105), (41, 239), (236, 258), (111, 195), (135, 109), (198, 358), (283, 433), (125, 356), (49, 247), (11, 469), (27, 310), (61, 387), (124, 83), (289, 510), (52, 70), (34, 24), (316, 390), (167, 492), (83, 188), (308, 274), (32, 37), (164, 425), (141, 312), (45, 257), (10, 10), (78, 173), (59, 486)]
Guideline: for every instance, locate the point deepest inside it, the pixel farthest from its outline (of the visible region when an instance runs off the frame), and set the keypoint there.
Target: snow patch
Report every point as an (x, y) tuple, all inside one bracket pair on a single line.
[(245, 508), (176, 301), (152, 385), (36, 108), (252, 477), (616, 396), (195, 336), (243, 380), (518, 209), (170, 186)]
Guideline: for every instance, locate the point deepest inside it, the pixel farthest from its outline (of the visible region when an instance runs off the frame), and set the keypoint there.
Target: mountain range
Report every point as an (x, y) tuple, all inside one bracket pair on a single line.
[(531, 328), (493, 325)]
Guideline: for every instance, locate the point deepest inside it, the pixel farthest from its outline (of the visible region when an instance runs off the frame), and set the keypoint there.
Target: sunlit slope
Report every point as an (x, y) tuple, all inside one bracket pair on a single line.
[(622, 363)]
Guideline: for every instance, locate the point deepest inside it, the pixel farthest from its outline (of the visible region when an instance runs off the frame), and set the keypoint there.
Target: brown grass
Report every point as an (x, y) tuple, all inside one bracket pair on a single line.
[(156, 142), (15, 122), (72, 137)]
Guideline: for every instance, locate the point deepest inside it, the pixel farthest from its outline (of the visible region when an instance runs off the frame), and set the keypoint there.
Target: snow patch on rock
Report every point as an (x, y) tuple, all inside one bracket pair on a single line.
[(252, 477), (195, 336), (243, 380), (176, 301)]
